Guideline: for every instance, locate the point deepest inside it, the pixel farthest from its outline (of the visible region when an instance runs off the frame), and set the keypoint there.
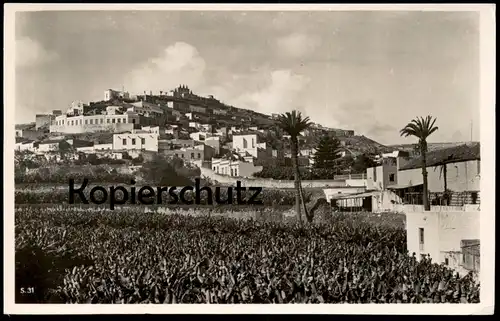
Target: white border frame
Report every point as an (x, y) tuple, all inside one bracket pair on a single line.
[(487, 108)]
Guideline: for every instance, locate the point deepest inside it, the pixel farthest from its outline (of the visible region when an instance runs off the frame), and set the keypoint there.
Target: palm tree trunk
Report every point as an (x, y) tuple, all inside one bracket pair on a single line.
[(296, 174), (302, 199), (425, 196), (445, 174)]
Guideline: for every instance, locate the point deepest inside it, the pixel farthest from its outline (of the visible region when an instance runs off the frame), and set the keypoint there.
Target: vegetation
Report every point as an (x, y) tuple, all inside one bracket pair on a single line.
[(327, 152), (294, 124), (168, 171), (422, 128), (72, 256), (58, 195)]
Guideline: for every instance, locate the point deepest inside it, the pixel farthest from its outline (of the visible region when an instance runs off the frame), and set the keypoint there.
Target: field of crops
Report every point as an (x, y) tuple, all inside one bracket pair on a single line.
[(129, 256)]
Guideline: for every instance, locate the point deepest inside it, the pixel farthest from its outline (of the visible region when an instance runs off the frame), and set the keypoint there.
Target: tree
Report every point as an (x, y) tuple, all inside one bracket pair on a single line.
[(327, 152), (443, 172), (361, 163), (422, 128), (294, 124)]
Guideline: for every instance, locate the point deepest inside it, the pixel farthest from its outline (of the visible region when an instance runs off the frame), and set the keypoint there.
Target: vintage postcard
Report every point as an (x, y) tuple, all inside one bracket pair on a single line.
[(249, 159)]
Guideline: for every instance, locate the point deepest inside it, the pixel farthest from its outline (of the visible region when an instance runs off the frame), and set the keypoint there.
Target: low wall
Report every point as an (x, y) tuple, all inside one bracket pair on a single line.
[(269, 183), (420, 208)]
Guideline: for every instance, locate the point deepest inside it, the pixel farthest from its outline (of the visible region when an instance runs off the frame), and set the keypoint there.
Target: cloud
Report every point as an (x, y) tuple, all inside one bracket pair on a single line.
[(298, 44), (179, 63), (30, 53), (282, 93)]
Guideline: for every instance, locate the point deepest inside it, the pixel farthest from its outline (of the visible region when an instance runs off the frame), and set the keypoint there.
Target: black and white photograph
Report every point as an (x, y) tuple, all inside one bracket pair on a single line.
[(249, 155)]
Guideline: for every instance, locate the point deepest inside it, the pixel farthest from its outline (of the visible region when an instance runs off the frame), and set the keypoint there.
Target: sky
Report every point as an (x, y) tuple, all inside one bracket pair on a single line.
[(368, 71)]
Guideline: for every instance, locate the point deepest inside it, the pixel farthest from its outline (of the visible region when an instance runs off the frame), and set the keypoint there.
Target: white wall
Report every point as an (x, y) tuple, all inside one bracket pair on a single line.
[(246, 143), (443, 232), (385, 201), (462, 176), (150, 141)]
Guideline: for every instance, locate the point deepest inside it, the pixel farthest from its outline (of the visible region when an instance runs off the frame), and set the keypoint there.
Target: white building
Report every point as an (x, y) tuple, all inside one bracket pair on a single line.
[(93, 123), (243, 144), (449, 235), (111, 94), (206, 127), (146, 109), (48, 146), (76, 108), (234, 168), (189, 116), (135, 141), (198, 109), (195, 125)]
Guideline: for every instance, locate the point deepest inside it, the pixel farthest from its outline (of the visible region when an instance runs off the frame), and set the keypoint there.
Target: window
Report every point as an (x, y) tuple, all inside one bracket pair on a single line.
[(124, 141), (235, 172), (182, 155), (133, 141), (119, 120), (374, 174), (421, 238), (391, 177), (86, 122), (253, 143), (176, 155), (199, 155), (133, 121), (214, 168), (446, 261), (231, 172), (81, 122), (107, 121), (102, 120), (143, 141), (192, 155), (113, 120)]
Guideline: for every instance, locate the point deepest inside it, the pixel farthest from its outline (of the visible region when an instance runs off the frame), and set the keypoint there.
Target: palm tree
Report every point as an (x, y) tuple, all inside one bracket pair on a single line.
[(421, 128), (294, 124)]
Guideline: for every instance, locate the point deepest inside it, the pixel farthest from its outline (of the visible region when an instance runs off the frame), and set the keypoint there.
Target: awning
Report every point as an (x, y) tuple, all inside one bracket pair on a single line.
[(403, 186), (351, 196)]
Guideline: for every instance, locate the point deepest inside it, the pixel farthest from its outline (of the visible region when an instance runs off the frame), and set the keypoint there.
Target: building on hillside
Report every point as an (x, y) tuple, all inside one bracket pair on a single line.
[(234, 168), (213, 142), (111, 94), (206, 128), (249, 143), (199, 136), (28, 131), (76, 108), (219, 112), (195, 125), (195, 153), (26, 145), (171, 144), (198, 109), (152, 129), (135, 140), (146, 109), (448, 236), (222, 132), (94, 123)]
